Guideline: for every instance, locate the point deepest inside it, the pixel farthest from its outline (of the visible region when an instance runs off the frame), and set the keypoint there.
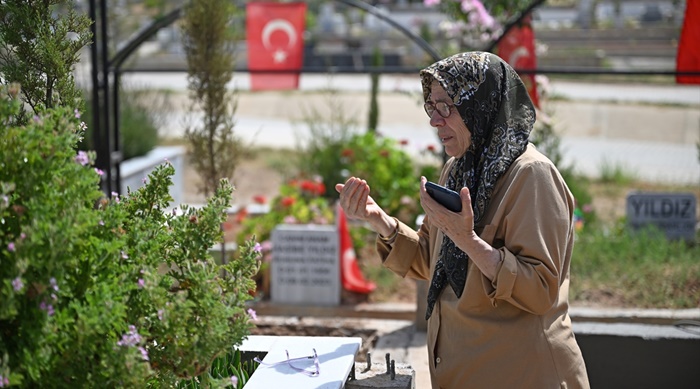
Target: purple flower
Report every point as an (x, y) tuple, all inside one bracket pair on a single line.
[(99, 172), (116, 197), (144, 180), (144, 353), (131, 338), (46, 307), (22, 236), (160, 314), (17, 284), (11, 247), (234, 380), (53, 283), (82, 158), (257, 248), (77, 113), (252, 313), (141, 283), (4, 381)]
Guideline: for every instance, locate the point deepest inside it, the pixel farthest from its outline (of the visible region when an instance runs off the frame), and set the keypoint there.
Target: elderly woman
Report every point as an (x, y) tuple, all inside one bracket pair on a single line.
[(499, 269)]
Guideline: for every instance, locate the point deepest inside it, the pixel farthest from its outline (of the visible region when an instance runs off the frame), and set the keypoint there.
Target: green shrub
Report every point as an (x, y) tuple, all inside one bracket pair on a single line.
[(107, 292), (138, 123)]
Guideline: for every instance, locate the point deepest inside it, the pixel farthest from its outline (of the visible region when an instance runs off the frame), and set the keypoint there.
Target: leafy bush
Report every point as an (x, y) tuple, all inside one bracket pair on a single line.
[(300, 201), (107, 292), (138, 123)]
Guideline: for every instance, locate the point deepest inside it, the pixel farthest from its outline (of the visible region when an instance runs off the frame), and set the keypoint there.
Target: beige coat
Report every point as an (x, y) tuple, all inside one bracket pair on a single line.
[(514, 331)]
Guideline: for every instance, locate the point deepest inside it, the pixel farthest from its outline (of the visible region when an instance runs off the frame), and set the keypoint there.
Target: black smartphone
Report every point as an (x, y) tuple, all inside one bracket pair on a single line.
[(447, 197)]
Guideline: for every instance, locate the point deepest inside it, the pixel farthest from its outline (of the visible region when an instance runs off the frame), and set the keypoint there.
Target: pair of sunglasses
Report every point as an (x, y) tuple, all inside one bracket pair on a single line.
[(288, 361)]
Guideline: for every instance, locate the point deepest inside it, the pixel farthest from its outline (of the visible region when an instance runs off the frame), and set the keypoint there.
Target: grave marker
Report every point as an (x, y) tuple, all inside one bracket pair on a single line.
[(672, 213), (305, 265)]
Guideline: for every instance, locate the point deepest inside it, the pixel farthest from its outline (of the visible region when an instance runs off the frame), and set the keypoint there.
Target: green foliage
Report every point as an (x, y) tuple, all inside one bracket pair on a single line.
[(392, 174), (373, 116), (300, 201), (40, 43), (209, 42), (107, 292), (615, 173), (642, 269), (138, 123)]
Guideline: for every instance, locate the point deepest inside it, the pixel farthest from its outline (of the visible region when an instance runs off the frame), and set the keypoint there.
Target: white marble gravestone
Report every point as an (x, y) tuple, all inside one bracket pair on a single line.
[(305, 267)]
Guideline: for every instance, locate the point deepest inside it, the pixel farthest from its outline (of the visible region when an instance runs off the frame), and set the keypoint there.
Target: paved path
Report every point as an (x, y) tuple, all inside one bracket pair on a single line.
[(649, 131)]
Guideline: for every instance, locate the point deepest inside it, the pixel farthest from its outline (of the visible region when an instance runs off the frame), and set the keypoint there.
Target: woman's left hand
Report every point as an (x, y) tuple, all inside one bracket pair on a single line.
[(452, 224)]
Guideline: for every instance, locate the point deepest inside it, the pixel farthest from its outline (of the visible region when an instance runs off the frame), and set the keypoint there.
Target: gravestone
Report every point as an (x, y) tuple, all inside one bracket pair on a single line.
[(672, 213), (305, 266)]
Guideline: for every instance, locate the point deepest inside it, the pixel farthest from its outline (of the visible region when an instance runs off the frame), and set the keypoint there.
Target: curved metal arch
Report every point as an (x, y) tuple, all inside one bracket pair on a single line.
[(111, 155)]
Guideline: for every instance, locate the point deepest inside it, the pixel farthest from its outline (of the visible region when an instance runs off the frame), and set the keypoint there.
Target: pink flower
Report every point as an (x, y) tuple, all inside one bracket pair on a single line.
[(99, 172), (141, 283), (17, 284), (82, 158), (253, 314), (144, 353), (430, 3), (11, 247), (234, 381), (257, 248)]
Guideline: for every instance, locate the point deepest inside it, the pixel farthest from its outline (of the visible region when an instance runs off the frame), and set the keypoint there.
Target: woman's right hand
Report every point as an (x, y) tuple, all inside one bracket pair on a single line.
[(358, 204), (356, 201)]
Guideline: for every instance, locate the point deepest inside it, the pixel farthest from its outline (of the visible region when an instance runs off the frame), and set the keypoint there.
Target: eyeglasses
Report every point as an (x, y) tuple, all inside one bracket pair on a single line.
[(441, 107), (310, 373)]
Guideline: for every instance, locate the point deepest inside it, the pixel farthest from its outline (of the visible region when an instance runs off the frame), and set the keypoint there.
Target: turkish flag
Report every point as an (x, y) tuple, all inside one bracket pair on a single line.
[(688, 57), (275, 44), (518, 49), (350, 273)]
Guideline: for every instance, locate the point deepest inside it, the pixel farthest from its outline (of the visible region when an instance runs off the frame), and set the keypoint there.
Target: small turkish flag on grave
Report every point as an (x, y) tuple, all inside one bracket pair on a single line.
[(688, 57), (518, 49), (350, 273), (275, 44)]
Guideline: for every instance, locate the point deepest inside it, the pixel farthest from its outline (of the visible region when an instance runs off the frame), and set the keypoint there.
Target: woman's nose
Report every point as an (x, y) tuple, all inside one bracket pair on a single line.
[(436, 120)]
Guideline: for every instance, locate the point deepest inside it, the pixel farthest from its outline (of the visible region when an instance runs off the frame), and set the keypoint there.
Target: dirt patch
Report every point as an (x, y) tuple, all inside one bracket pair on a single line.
[(368, 336)]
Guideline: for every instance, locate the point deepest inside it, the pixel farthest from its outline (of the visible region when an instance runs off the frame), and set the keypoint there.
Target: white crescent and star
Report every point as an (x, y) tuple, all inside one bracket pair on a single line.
[(280, 54)]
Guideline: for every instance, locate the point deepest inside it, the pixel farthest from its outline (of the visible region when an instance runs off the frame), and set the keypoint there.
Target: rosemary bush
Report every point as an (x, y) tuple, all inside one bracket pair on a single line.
[(107, 292)]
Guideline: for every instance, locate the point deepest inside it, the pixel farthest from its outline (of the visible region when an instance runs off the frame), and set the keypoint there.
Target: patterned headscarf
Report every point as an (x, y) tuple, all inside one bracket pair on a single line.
[(495, 106)]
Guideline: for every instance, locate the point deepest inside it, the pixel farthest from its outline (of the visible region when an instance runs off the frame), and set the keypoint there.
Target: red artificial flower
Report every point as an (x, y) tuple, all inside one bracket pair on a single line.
[(260, 199), (431, 148), (347, 153), (241, 215), (288, 201)]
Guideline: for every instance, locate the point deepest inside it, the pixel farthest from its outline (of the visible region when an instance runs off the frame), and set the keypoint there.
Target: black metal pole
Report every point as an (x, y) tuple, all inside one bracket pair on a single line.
[(98, 139), (107, 147)]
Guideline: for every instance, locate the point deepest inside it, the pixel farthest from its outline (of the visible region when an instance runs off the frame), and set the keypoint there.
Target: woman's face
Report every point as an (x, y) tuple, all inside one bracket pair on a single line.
[(453, 133)]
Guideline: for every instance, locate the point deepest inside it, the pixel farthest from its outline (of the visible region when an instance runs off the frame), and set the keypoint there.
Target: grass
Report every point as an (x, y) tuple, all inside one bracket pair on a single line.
[(617, 267)]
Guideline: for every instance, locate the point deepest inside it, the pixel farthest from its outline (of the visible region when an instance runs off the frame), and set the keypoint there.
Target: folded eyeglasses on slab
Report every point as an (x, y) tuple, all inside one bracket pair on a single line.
[(288, 361)]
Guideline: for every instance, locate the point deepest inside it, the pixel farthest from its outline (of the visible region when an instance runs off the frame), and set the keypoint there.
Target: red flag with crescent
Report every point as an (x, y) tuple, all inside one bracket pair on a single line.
[(350, 272), (275, 44), (688, 57), (518, 49)]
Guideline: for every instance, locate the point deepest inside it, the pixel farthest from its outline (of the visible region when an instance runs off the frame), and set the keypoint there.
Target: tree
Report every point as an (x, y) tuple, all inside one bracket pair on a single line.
[(208, 39), (40, 43)]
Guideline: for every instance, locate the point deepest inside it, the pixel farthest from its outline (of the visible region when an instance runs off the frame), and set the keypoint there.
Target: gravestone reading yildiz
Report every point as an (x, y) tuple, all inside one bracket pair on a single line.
[(305, 266), (672, 213)]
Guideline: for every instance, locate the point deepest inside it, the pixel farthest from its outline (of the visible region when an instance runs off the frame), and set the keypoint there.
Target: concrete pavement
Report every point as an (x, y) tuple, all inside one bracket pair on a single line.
[(648, 131)]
